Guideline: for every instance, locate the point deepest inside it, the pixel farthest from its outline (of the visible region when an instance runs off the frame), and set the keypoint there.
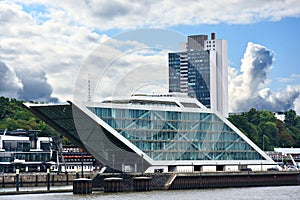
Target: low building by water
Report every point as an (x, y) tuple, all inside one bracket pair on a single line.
[(24, 150), (75, 159)]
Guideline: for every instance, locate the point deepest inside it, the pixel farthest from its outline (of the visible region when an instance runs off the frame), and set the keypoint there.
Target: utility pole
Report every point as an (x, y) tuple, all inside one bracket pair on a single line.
[(263, 142)]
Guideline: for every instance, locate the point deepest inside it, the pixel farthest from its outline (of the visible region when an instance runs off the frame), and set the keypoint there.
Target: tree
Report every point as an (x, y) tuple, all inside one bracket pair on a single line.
[(263, 127), (285, 138), (13, 115), (295, 134), (253, 133), (239, 121), (249, 129), (269, 134), (297, 120), (253, 116), (290, 118), (266, 116)]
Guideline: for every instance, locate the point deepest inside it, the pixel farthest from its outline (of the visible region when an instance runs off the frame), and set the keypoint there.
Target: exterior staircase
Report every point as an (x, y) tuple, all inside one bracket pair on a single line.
[(170, 180)]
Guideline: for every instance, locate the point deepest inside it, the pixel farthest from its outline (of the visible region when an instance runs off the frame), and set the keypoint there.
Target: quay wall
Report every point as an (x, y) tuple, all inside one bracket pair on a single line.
[(158, 180), (38, 179), (176, 181), (245, 179)]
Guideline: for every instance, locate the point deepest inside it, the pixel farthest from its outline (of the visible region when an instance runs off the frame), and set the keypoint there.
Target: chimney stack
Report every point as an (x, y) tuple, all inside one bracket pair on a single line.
[(213, 36)]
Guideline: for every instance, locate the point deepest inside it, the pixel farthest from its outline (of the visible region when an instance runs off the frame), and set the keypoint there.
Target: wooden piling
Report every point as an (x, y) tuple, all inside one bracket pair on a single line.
[(113, 184), (142, 183), (82, 186)]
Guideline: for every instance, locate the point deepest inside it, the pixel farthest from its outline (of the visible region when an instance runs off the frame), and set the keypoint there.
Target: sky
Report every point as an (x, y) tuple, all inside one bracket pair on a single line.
[(51, 50)]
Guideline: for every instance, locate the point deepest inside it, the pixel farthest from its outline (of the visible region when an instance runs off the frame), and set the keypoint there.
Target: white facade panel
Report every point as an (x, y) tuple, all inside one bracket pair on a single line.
[(184, 169), (231, 168), (213, 81), (209, 168), (219, 75)]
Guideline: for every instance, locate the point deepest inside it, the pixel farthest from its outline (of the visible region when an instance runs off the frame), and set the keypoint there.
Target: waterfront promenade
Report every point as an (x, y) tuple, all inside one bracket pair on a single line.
[(38, 182)]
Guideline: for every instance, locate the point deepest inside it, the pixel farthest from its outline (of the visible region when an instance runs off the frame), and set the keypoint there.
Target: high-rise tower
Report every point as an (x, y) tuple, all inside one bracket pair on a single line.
[(201, 71)]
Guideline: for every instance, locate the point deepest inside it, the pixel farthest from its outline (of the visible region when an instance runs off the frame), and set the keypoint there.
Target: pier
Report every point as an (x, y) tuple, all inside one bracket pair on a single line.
[(8, 180)]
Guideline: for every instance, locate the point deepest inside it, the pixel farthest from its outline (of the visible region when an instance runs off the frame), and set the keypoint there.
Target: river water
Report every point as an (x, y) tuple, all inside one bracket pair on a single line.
[(266, 193)]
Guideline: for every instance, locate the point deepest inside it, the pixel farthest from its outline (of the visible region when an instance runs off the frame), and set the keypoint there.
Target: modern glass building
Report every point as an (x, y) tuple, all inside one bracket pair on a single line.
[(146, 133), (200, 70), (199, 76)]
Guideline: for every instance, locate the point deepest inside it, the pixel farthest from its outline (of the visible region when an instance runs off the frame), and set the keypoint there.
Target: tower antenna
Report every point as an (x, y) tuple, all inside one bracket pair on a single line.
[(89, 98)]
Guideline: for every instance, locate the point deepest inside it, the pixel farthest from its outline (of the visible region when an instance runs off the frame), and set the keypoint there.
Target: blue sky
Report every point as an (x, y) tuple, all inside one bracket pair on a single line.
[(48, 44)]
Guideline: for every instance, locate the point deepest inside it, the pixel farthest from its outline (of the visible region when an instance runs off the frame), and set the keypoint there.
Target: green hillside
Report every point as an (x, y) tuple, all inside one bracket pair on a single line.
[(265, 130), (13, 115)]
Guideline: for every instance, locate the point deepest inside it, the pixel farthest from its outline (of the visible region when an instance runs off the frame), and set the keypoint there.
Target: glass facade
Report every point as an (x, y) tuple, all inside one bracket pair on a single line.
[(197, 67), (199, 76), (174, 72), (15, 145), (32, 156), (171, 135)]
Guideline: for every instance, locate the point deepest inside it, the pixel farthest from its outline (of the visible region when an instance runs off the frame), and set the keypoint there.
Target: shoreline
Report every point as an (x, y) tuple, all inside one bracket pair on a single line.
[(171, 181), (43, 191), (35, 192)]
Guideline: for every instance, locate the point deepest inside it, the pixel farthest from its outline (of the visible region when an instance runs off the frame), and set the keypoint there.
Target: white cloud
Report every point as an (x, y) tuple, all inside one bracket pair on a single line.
[(248, 89), (121, 68), (290, 79), (297, 105), (130, 14), (10, 84), (25, 84), (54, 47)]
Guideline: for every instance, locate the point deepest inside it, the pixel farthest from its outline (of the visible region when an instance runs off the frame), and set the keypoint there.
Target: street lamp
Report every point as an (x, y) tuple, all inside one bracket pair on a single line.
[(113, 159), (82, 157), (263, 142), (142, 163)]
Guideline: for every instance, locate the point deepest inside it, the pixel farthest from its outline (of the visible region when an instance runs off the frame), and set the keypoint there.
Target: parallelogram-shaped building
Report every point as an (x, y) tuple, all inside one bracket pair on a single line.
[(154, 133)]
